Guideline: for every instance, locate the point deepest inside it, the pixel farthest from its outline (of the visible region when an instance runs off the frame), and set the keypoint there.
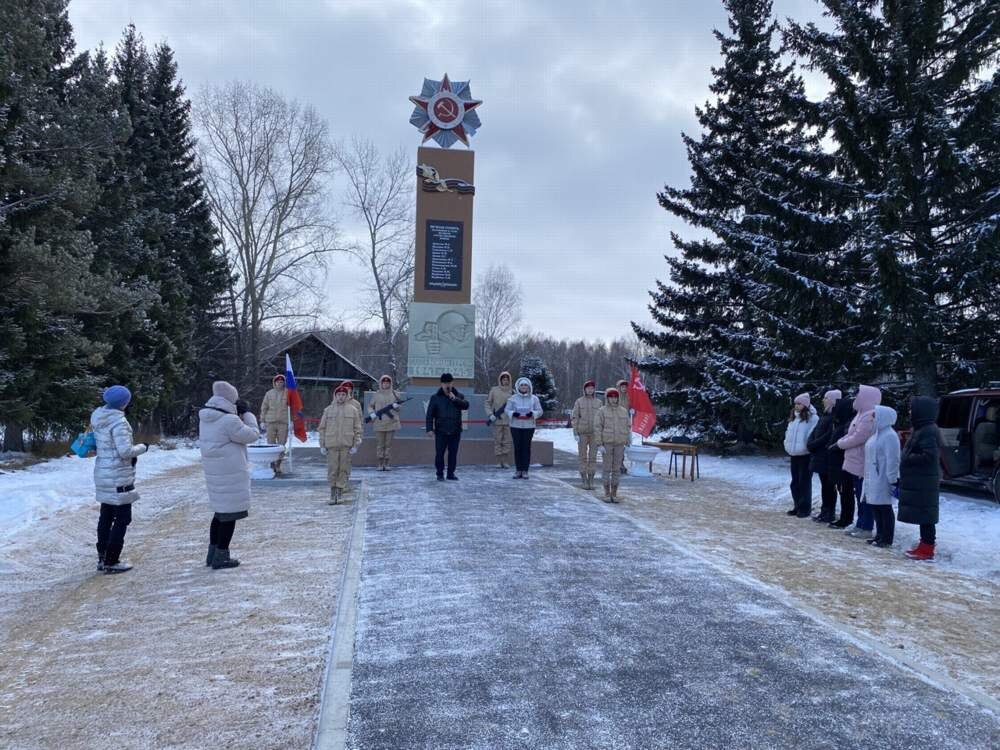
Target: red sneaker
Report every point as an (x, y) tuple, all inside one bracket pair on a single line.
[(922, 551)]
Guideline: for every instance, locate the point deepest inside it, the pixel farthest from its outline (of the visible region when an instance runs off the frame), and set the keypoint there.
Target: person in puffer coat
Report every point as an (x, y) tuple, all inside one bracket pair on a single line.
[(497, 401), (387, 425), (820, 462), (613, 429), (339, 438), (584, 414), (801, 422), (920, 476), (882, 474), (226, 427), (114, 477), (522, 409), (853, 445), (843, 413)]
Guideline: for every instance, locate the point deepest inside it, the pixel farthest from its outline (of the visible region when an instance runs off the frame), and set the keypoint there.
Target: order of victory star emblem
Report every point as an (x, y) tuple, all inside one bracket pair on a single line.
[(445, 111)]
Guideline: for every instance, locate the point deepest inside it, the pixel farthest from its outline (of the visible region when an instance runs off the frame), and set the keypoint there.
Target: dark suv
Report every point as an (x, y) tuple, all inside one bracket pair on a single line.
[(969, 421)]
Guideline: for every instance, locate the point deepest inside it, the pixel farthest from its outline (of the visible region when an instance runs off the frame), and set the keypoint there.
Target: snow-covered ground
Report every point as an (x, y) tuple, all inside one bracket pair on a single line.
[(40, 491), (968, 533)]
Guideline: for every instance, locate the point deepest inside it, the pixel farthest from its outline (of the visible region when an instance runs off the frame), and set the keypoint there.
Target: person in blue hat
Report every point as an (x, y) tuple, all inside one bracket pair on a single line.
[(114, 476)]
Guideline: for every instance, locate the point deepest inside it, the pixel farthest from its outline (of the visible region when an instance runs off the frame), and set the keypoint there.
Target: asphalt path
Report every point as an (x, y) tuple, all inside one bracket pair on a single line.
[(495, 613)]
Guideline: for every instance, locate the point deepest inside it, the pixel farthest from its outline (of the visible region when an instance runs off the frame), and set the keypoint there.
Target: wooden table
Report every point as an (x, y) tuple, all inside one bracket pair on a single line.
[(683, 450)]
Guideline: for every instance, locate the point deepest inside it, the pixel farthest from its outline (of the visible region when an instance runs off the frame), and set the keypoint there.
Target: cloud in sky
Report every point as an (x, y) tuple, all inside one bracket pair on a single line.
[(583, 107)]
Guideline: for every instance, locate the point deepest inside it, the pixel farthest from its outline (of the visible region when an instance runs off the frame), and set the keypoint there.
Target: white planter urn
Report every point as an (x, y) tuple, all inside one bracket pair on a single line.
[(640, 458), (261, 456)]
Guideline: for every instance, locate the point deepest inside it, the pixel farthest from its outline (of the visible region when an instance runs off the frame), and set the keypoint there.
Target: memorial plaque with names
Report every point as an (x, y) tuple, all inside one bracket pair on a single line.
[(443, 258)]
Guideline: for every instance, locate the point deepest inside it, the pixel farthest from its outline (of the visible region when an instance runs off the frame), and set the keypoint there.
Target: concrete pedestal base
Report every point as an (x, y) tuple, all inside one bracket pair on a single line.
[(419, 451)]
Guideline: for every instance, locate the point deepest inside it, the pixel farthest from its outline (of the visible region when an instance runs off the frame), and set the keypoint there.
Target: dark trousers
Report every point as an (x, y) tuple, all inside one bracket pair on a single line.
[(846, 488), (928, 533), (885, 522), (220, 533), (450, 443), (828, 486), (866, 520), (521, 437), (801, 485), (111, 529)]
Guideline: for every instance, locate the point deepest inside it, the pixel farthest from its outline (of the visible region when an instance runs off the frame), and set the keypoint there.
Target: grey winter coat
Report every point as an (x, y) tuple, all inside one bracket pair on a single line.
[(113, 468), (223, 438), (523, 403), (881, 459), (920, 465)]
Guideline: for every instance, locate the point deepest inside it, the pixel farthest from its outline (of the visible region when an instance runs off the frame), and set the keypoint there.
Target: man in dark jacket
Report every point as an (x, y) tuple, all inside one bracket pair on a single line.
[(819, 459), (920, 476), (444, 421), (843, 413)]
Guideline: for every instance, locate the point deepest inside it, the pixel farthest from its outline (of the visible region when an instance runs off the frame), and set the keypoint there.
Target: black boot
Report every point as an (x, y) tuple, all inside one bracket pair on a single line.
[(221, 559), (211, 554)]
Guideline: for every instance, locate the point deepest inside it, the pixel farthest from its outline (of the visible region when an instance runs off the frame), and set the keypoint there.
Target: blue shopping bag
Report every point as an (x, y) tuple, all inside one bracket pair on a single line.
[(84, 445)]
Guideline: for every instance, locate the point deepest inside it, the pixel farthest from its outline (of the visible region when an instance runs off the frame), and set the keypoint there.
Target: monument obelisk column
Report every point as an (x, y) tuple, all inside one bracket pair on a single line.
[(442, 319)]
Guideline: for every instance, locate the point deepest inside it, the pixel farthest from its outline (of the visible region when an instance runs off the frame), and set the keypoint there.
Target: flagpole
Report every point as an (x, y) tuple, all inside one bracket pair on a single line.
[(288, 441)]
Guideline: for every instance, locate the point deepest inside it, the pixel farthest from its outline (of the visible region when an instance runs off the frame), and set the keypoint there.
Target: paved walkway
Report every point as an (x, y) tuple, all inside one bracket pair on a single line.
[(501, 614)]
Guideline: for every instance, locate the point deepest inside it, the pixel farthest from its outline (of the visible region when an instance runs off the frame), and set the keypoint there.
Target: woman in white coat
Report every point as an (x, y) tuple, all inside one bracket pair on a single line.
[(523, 409), (225, 428), (114, 476), (881, 475), (801, 422)]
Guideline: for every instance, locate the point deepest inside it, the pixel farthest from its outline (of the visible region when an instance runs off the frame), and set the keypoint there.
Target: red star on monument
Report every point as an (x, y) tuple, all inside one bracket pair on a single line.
[(446, 110)]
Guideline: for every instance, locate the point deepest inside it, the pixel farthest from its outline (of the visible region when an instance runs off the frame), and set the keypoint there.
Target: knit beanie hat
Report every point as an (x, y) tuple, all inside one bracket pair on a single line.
[(804, 399), (833, 395), (446, 377), (222, 389), (117, 396)]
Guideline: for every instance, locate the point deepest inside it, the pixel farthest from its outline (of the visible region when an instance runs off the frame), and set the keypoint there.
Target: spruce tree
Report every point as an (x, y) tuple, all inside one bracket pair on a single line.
[(191, 241), (53, 139), (754, 311), (915, 112), (542, 383)]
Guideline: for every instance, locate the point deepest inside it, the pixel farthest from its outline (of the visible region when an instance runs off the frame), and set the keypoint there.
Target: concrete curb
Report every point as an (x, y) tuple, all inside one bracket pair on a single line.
[(335, 694), (855, 636)]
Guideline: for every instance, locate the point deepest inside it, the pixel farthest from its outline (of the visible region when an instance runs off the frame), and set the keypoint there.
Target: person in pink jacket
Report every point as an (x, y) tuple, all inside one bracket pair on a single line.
[(853, 445)]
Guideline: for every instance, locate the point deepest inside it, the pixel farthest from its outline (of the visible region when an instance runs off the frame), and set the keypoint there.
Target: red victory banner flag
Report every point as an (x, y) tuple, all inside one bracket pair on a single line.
[(644, 416)]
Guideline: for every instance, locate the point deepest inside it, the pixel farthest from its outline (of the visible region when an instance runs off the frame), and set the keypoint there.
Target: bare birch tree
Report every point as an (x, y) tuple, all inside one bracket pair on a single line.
[(498, 297), (379, 193), (266, 163)]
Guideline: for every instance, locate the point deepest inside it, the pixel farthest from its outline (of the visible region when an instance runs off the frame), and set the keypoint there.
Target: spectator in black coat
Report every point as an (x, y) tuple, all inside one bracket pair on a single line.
[(920, 476), (843, 413), (444, 421), (819, 457)]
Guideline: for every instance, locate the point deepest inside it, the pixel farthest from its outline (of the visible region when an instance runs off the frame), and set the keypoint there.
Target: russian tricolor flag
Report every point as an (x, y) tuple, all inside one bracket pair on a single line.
[(294, 401)]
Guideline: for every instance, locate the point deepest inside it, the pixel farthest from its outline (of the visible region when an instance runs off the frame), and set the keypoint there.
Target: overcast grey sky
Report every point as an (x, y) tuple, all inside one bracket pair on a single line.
[(583, 105)]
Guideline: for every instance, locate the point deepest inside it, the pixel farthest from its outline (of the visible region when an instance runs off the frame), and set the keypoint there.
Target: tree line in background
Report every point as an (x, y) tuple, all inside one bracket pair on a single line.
[(108, 264), (146, 242), (846, 240)]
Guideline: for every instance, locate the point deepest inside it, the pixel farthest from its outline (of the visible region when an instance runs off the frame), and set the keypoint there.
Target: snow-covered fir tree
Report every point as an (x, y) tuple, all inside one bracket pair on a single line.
[(754, 311), (914, 109), (54, 134), (542, 382)]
